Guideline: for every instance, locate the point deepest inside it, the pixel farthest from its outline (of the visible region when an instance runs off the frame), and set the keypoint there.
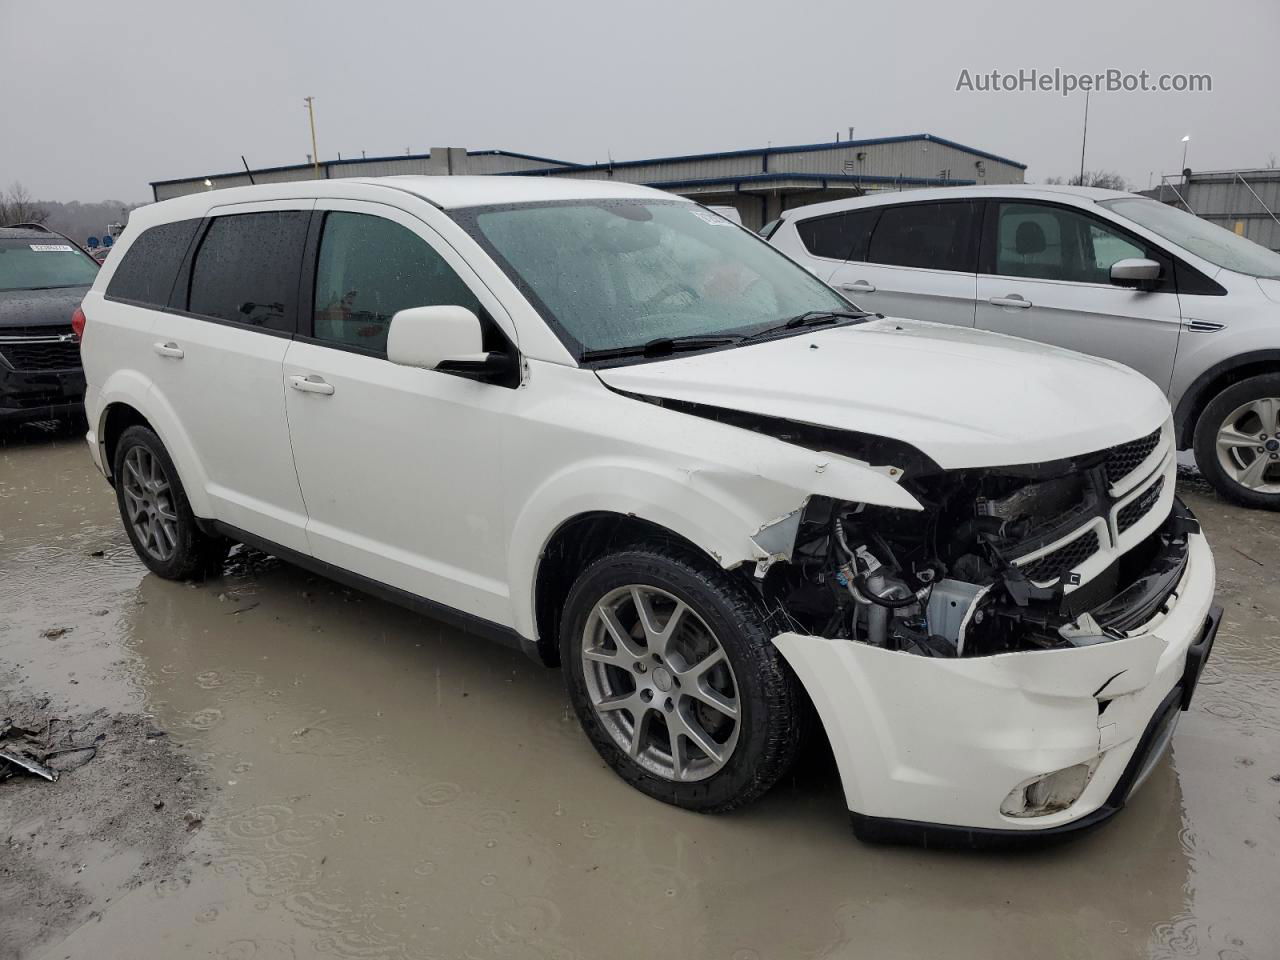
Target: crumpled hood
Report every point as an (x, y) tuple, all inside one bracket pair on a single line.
[(964, 397)]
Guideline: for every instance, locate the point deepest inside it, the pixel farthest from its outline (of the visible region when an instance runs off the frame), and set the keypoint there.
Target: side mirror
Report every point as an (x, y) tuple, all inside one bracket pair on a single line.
[(1135, 273), (426, 337)]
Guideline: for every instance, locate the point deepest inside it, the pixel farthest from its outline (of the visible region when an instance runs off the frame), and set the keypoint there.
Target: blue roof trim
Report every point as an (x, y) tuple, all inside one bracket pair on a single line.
[(327, 163), (802, 148)]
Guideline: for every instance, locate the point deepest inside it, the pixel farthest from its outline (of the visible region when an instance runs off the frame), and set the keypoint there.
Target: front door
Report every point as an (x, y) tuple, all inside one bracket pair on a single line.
[(1046, 276), (401, 468)]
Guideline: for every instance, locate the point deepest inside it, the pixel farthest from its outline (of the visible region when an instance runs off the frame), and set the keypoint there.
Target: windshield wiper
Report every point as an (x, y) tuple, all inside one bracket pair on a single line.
[(813, 318), (661, 346)]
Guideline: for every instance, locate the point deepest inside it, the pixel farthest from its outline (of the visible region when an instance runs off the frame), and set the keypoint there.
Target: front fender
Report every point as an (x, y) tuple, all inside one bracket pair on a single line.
[(717, 508)]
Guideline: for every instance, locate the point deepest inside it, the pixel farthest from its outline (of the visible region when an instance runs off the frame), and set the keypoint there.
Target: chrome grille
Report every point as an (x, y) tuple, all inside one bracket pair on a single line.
[(42, 355)]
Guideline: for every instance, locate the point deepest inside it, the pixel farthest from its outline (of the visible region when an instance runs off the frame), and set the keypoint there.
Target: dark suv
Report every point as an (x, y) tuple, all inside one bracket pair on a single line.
[(43, 278)]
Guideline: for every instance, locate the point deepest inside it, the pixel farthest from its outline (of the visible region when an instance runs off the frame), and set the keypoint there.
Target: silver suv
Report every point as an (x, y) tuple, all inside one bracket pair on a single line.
[(1194, 307)]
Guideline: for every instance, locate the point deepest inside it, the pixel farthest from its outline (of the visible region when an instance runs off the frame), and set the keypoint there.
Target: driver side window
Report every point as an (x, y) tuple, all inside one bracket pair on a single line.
[(368, 269), (1042, 242)]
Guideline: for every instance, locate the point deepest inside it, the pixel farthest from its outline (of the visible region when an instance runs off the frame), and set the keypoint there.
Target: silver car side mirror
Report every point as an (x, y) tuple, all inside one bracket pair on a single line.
[(1135, 273)]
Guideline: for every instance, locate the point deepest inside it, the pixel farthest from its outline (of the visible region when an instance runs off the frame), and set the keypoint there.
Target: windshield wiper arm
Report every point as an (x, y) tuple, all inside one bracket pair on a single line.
[(813, 318), (661, 346)]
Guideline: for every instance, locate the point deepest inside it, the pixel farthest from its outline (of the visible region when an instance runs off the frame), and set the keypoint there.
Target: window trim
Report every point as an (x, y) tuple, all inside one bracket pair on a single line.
[(975, 235), (990, 237), (180, 296)]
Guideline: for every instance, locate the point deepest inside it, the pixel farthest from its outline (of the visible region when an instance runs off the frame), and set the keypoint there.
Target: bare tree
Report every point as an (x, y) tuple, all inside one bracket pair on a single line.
[(1093, 178), (16, 206)]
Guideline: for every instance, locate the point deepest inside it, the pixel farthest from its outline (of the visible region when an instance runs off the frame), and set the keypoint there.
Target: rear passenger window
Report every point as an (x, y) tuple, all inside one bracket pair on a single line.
[(368, 270), (246, 269), (150, 264), (841, 236), (932, 236)]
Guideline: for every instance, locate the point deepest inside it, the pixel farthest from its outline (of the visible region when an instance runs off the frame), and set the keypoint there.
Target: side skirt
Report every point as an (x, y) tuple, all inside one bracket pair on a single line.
[(467, 622)]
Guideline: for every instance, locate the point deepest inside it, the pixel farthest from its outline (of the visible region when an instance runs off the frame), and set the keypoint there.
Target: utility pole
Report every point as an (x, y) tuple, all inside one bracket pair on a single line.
[(1084, 135), (315, 154)]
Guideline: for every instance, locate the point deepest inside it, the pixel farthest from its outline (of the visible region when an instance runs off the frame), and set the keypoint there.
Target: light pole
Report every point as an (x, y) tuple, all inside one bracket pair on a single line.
[(1185, 141), (315, 154)]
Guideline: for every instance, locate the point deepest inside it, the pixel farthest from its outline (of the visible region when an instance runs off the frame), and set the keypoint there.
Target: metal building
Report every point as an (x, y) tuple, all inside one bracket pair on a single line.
[(1246, 202), (758, 183)]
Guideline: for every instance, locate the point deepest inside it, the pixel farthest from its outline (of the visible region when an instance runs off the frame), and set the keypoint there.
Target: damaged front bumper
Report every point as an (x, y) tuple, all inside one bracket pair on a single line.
[(930, 749)]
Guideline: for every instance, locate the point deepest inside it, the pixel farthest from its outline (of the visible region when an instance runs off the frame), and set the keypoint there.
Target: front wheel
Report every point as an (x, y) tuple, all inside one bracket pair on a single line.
[(1237, 442), (673, 675)]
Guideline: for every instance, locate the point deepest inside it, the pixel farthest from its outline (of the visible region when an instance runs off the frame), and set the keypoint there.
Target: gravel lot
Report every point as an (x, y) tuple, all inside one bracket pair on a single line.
[(285, 768)]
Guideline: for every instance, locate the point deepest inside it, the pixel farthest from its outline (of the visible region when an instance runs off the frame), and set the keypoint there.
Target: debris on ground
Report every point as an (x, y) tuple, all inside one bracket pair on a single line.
[(27, 764), (53, 633)]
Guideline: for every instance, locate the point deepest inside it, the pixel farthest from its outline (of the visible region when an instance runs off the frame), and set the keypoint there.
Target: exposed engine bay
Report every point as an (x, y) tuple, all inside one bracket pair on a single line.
[(1019, 558)]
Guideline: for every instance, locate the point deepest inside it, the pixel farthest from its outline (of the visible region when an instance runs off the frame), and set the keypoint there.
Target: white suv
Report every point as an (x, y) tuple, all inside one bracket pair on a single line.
[(1193, 306), (610, 427)]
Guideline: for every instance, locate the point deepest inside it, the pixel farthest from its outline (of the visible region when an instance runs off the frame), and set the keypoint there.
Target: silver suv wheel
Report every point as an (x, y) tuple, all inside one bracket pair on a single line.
[(1248, 445), (660, 683)]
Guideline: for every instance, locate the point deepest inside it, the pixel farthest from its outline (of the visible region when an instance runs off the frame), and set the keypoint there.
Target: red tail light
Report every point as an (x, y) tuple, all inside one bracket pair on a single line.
[(77, 323)]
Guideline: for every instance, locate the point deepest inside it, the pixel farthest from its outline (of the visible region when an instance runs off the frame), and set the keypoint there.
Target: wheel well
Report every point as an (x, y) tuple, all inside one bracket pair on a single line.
[(119, 418), (573, 546), (1213, 383)]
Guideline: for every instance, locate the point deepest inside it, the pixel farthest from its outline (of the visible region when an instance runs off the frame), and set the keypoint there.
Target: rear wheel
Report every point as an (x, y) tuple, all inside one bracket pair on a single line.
[(1237, 442), (673, 675), (155, 511)]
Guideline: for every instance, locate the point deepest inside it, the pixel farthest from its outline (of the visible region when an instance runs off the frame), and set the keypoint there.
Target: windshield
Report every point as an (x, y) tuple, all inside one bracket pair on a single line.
[(38, 264), (1204, 239), (618, 273)]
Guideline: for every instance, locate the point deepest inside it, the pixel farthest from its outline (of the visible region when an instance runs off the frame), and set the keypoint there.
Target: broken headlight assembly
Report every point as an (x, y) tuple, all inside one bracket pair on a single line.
[(992, 564)]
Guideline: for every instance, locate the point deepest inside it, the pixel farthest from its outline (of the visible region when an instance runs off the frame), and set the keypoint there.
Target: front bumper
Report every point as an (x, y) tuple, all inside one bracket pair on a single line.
[(39, 395), (929, 748)]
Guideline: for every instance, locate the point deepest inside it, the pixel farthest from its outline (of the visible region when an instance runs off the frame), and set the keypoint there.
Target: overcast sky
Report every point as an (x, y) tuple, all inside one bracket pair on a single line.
[(102, 97)]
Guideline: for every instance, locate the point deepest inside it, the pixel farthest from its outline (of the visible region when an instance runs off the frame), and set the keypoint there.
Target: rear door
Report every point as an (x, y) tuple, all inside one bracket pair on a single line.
[(919, 260), (1046, 275), (217, 355)]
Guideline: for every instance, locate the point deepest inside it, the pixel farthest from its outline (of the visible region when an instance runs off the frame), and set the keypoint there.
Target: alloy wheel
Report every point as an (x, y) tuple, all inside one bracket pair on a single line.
[(1248, 445), (660, 683), (148, 500)]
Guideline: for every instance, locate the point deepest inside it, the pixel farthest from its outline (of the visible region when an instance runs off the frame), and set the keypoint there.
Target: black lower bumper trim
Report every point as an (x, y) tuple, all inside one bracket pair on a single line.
[(944, 836)]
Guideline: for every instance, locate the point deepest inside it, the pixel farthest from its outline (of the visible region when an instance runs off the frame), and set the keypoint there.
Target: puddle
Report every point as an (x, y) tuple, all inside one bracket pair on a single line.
[(381, 785)]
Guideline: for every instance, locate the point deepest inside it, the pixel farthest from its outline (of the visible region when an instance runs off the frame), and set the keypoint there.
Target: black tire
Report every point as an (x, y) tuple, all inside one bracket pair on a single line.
[(192, 554), (771, 704), (1213, 418)]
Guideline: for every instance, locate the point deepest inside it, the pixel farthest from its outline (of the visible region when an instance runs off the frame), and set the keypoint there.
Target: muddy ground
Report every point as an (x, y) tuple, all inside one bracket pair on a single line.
[(288, 769)]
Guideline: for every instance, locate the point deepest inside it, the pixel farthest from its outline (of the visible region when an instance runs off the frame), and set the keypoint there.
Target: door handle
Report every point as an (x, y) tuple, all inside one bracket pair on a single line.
[(1012, 300), (168, 349), (313, 383), (858, 286)]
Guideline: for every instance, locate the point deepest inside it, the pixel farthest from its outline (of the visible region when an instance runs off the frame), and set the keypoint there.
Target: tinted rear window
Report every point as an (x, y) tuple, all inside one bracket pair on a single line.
[(840, 236), (933, 236), (246, 269), (147, 272)]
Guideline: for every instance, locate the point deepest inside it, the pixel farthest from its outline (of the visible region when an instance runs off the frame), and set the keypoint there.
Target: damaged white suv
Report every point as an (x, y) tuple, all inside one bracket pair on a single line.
[(616, 430)]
